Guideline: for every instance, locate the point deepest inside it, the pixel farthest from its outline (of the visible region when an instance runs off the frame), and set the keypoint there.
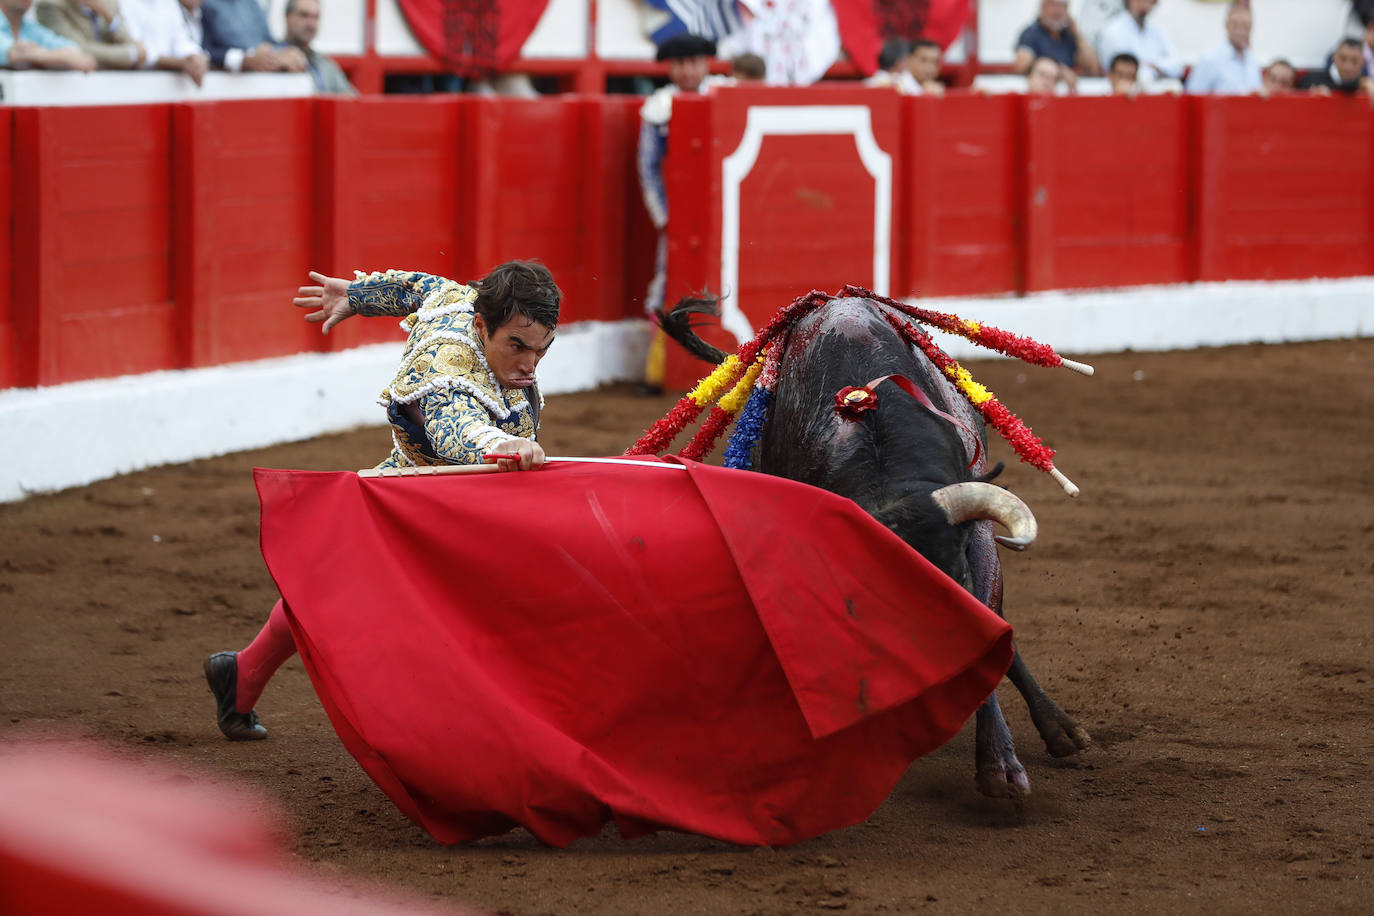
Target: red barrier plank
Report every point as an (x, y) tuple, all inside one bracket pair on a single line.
[(387, 194), (92, 220), (779, 192), (8, 342), (529, 187), (1286, 188), (244, 218), (1107, 192), (962, 204), (641, 238)]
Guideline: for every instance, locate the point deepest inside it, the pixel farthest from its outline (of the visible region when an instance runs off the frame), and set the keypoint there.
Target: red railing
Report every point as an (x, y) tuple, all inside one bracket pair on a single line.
[(140, 238)]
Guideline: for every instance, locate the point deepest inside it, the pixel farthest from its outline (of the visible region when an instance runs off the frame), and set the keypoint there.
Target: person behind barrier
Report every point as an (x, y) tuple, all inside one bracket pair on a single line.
[(748, 68), (1230, 68), (1124, 75), (1043, 78), (25, 43), (893, 72), (302, 25), (237, 37), (1345, 75), (1128, 32), (162, 28), (465, 390), (1279, 77), (689, 66), (98, 27), (924, 65), (1054, 34)]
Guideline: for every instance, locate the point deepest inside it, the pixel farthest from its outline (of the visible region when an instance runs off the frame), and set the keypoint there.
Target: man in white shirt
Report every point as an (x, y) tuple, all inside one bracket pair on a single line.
[(162, 28), (1128, 33), (1231, 67)]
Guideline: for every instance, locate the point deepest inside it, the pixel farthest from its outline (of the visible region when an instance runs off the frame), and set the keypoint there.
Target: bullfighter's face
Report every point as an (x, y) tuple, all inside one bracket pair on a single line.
[(514, 349)]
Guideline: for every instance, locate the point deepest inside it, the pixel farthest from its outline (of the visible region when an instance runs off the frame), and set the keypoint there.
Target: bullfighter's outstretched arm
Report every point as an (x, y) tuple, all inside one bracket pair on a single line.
[(392, 292)]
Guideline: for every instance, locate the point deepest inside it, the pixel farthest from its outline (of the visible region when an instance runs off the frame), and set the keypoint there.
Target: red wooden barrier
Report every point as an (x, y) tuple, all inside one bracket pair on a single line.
[(138, 238), (962, 207), (1107, 192), (641, 238), (387, 176), (794, 190), (530, 192), (1286, 189), (92, 221), (243, 214), (8, 351)]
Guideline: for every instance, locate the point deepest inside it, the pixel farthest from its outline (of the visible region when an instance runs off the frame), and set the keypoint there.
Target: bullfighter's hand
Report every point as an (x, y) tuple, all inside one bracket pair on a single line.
[(531, 455), (330, 298)]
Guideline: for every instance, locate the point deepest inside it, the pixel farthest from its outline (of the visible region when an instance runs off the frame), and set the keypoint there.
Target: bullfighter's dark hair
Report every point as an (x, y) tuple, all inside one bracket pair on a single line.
[(680, 47), (518, 288)]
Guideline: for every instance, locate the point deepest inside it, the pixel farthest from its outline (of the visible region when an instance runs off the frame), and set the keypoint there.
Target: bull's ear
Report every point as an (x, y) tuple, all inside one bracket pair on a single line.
[(993, 474)]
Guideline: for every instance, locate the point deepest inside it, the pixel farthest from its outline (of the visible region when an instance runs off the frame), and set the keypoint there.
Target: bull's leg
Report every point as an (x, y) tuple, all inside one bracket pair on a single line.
[(1062, 735), (1000, 774)]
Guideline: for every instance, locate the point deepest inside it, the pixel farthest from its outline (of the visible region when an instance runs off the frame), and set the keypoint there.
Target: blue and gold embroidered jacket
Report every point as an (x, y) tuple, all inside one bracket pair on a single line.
[(445, 405)]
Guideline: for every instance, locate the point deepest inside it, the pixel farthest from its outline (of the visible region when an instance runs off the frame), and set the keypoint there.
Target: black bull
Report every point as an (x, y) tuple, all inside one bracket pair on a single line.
[(907, 467)]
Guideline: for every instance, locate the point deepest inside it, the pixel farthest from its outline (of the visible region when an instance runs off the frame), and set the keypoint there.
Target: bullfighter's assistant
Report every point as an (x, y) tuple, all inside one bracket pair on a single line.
[(465, 389)]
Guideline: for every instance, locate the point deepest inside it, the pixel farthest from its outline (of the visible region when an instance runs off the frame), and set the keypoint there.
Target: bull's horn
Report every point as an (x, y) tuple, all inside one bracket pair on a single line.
[(963, 502)]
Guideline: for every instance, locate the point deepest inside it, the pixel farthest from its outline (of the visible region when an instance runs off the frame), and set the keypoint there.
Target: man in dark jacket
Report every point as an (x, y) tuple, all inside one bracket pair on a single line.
[(1345, 75), (237, 39)]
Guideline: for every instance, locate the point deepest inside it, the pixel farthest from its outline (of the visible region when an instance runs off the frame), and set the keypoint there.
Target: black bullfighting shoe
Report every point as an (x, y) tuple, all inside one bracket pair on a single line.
[(222, 673)]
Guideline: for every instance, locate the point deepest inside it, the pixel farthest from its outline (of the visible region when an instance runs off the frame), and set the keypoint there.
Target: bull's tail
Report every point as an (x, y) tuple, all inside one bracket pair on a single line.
[(680, 321)]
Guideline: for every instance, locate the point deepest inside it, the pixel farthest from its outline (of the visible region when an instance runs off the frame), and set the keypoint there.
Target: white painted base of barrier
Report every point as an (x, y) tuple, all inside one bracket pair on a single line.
[(1172, 317), (69, 435)]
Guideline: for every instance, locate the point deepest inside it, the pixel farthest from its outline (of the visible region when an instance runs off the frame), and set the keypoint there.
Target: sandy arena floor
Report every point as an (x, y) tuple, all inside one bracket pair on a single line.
[(1203, 608)]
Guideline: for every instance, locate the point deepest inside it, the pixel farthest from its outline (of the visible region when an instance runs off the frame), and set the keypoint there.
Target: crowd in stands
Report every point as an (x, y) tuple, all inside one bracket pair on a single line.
[(185, 36), (1135, 54), (1131, 51)]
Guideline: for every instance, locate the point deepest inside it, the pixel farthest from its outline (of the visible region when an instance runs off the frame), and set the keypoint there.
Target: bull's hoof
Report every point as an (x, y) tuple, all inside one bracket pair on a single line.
[(1006, 779), (1067, 740)]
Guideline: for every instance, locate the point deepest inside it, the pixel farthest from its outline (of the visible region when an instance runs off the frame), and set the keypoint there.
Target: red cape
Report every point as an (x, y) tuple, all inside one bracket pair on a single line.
[(713, 651)]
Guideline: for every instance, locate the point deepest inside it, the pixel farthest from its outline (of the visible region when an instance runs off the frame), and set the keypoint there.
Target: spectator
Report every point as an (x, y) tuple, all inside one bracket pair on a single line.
[(1124, 75), (1345, 75), (1055, 35), (162, 28), (1043, 76), (302, 25), (748, 68), (25, 43), (1128, 33), (1230, 68), (689, 67), (924, 65), (237, 37), (195, 21), (1280, 77), (893, 69), (98, 29)]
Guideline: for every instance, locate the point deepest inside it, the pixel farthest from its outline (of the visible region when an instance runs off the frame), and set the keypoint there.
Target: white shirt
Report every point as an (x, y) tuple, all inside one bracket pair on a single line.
[(161, 27), (901, 80), (1149, 45), (1227, 71)]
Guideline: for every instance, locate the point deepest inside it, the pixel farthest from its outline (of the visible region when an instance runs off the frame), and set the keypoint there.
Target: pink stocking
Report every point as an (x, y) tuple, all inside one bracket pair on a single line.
[(257, 663)]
